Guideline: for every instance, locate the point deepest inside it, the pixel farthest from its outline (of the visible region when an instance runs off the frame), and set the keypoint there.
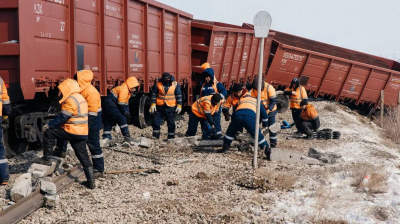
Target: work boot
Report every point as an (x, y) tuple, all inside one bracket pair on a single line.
[(59, 153), (98, 174), (44, 161), (267, 152), (225, 149), (90, 182), (128, 138)]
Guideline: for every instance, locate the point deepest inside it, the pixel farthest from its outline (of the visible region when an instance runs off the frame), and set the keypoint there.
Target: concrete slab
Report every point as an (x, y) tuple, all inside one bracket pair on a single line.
[(47, 170), (22, 187), (291, 157)]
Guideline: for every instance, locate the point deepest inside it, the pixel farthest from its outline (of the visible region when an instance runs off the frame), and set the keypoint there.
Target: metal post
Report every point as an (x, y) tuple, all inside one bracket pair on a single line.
[(382, 106), (255, 163)]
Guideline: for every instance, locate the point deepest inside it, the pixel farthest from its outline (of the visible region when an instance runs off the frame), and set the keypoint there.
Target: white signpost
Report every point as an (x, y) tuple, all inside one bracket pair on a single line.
[(262, 22)]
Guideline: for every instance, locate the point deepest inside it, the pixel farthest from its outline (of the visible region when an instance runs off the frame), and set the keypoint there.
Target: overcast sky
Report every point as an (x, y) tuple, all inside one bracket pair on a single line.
[(370, 26)]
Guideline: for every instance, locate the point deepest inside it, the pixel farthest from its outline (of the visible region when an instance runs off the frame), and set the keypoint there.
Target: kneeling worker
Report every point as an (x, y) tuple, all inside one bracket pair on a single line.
[(202, 111), (245, 117), (116, 109), (71, 125), (232, 100), (309, 119), (166, 99)]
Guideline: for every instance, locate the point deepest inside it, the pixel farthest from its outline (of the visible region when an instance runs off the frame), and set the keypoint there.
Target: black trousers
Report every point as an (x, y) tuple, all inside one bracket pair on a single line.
[(77, 143), (307, 127), (296, 113)]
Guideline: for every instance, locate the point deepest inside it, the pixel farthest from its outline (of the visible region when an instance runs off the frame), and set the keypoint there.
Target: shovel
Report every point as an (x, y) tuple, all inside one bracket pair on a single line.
[(133, 171)]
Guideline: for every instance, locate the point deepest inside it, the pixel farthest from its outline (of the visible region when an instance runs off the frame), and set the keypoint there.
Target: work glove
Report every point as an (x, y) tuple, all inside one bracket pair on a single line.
[(178, 109), (6, 122), (45, 127), (153, 108), (128, 118)]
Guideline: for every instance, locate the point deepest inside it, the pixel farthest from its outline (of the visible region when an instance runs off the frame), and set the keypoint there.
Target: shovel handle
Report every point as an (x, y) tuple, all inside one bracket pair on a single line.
[(128, 171)]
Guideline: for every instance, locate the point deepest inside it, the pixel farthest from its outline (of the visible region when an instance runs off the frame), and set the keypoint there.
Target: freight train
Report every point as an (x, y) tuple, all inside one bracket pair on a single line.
[(43, 42)]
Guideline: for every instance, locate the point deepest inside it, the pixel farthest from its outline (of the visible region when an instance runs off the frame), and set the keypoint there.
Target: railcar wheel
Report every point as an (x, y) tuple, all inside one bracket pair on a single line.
[(13, 145), (282, 102), (139, 107)]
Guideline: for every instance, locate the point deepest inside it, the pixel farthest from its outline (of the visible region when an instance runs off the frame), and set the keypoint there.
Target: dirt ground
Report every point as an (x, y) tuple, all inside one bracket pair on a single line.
[(204, 187)]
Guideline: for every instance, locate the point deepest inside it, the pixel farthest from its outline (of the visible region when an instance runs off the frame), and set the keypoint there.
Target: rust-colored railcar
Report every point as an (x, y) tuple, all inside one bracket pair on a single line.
[(232, 51), (113, 38), (339, 73)]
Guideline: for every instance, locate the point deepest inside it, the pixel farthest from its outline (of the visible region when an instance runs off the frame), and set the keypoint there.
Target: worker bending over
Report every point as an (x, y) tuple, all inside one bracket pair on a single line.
[(212, 86), (232, 100), (5, 110), (268, 100), (116, 109), (166, 99), (297, 93), (71, 125), (202, 111), (93, 99), (309, 119), (245, 117)]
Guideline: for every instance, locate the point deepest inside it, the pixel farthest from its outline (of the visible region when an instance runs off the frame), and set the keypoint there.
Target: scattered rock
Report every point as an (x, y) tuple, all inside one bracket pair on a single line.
[(48, 187), (126, 145), (202, 175), (51, 201), (22, 187), (47, 170), (67, 166), (181, 161), (36, 175), (144, 142), (172, 183), (29, 155), (146, 195), (254, 183), (323, 157)]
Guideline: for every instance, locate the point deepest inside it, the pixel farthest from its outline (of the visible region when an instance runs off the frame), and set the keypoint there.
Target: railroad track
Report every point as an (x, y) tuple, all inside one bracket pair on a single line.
[(34, 201)]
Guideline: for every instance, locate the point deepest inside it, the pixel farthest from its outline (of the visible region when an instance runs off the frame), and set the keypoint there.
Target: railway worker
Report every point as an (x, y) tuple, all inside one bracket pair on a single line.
[(245, 117), (202, 111), (72, 125), (309, 119), (116, 109), (268, 100), (233, 99), (297, 93), (5, 109), (166, 99), (92, 96), (209, 87)]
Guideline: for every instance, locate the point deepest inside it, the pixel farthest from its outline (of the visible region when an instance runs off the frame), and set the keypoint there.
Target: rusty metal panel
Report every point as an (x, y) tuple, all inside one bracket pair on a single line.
[(286, 65), (88, 35), (392, 90), (44, 45), (355, 82), (374, 85), (315, 69), (245, 57), (184, 50), (335, 77)]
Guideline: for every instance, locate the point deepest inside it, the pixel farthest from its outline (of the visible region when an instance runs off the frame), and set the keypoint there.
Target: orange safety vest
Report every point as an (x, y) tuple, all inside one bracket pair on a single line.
[(266, 94), (4, 98), (247, 102), (78, 123), (295, 100), (310, 113), (214, 86), (169, 97), (203, 106)]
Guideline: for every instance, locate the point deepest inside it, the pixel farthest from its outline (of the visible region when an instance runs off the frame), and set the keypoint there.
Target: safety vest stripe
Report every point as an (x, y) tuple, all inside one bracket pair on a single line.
[(115, 95), (273, 137), (122, 103), (77, 122), (219, 133), (97, 156), (3, 161), (6, 102), (93, 113), (264, 120), (171, 133), (200, 106), (78, 104), (156, 131), (262, 141), (229, 137), (66, 112), (124, 126), (107, 132)]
